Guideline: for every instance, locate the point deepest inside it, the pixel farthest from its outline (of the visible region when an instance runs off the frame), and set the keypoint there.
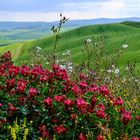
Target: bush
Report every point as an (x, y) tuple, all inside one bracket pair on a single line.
[(37, 103)]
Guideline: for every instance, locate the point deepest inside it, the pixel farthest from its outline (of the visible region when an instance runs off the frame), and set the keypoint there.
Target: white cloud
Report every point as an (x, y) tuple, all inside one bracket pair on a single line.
[(79, 10), (28, 16)]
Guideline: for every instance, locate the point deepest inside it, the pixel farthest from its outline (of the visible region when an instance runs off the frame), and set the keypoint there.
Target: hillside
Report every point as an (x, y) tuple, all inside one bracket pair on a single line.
[(12, 32), (72, 40)]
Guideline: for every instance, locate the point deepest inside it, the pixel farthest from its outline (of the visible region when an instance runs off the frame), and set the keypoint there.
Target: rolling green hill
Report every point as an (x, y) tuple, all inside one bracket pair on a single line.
[(118, 34)]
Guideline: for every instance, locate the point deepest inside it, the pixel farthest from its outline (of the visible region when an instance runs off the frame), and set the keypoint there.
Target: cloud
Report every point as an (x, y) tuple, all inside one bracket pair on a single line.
[(48, 10)]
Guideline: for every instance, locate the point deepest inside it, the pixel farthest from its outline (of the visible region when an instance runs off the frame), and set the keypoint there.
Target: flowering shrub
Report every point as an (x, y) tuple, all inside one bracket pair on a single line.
[(56, 107)]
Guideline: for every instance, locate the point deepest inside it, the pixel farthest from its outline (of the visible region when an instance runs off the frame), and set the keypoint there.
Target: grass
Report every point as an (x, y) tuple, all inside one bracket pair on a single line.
[(72, 40)]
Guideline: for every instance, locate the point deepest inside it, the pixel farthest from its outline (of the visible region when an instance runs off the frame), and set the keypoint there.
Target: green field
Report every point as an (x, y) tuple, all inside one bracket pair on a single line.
[(118, 34)]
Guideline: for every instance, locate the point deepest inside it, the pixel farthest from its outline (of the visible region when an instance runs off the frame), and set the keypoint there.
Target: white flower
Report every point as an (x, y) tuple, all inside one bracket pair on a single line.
[(47, 63), (70, 68), (117, 71), (109, 71), (125, 46), (67, 52), (62, 67), (113, 66), (88, 40), (38, 48), (57, 61), (69, 64)]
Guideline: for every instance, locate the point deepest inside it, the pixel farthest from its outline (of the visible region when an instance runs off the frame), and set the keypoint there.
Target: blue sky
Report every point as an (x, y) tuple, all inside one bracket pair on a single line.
[(48, 10)]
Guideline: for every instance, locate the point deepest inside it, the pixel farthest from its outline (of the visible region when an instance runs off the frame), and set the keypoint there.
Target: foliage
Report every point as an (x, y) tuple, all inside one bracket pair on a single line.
[(58, 106)]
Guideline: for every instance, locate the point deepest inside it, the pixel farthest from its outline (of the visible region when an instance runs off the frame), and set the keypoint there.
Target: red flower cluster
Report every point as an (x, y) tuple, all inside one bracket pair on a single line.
[(50, 98), (118, 101), (21, 85), (100, 137), (104, 90), (33, 92), (60, 129), (126, 117), (43, 130), (82, 137)]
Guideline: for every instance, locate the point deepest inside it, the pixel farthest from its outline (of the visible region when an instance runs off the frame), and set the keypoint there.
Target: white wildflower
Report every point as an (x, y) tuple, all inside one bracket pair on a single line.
[(70, 68), (113, 66), (47, 63), (62, 67), (109, 71), (68, 52), (117, 71), (57, 61), (88, 41), (125, 46), (127, 68), (136, 80), (38, 49)]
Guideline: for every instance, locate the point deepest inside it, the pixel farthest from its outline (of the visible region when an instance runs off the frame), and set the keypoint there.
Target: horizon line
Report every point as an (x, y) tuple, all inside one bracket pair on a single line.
[(70, 19)]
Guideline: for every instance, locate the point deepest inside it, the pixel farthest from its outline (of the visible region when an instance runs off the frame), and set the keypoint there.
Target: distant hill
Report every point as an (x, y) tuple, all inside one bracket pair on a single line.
[(118, 34), (11, 32)]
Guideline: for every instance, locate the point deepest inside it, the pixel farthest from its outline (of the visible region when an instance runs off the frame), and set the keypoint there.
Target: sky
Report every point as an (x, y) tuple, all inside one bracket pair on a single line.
[(48, 10)]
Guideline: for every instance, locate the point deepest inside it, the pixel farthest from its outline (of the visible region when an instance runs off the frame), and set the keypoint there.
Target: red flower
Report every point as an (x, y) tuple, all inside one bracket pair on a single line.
[(82, 76), (93, 88), (21, 85), (68, 102), (0, 105), (25, 71), (43, 78), (10, 83), (7, 56), (137, 118), (11, 107), (82, 137), (118, 101), (93, 101), (55, 67), (100, 137), (22, 100), (83, 84), (100, 114), (13, 70), (42, 128), (126, 117), (101, 106), (54, 120), (32, 91), (59, 98), (73, 116), (45, 134), (104, 90), (135, 138), (122, 110), (48, 101), (90, 108), (60, 129), (81, 103), (76, 90)]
